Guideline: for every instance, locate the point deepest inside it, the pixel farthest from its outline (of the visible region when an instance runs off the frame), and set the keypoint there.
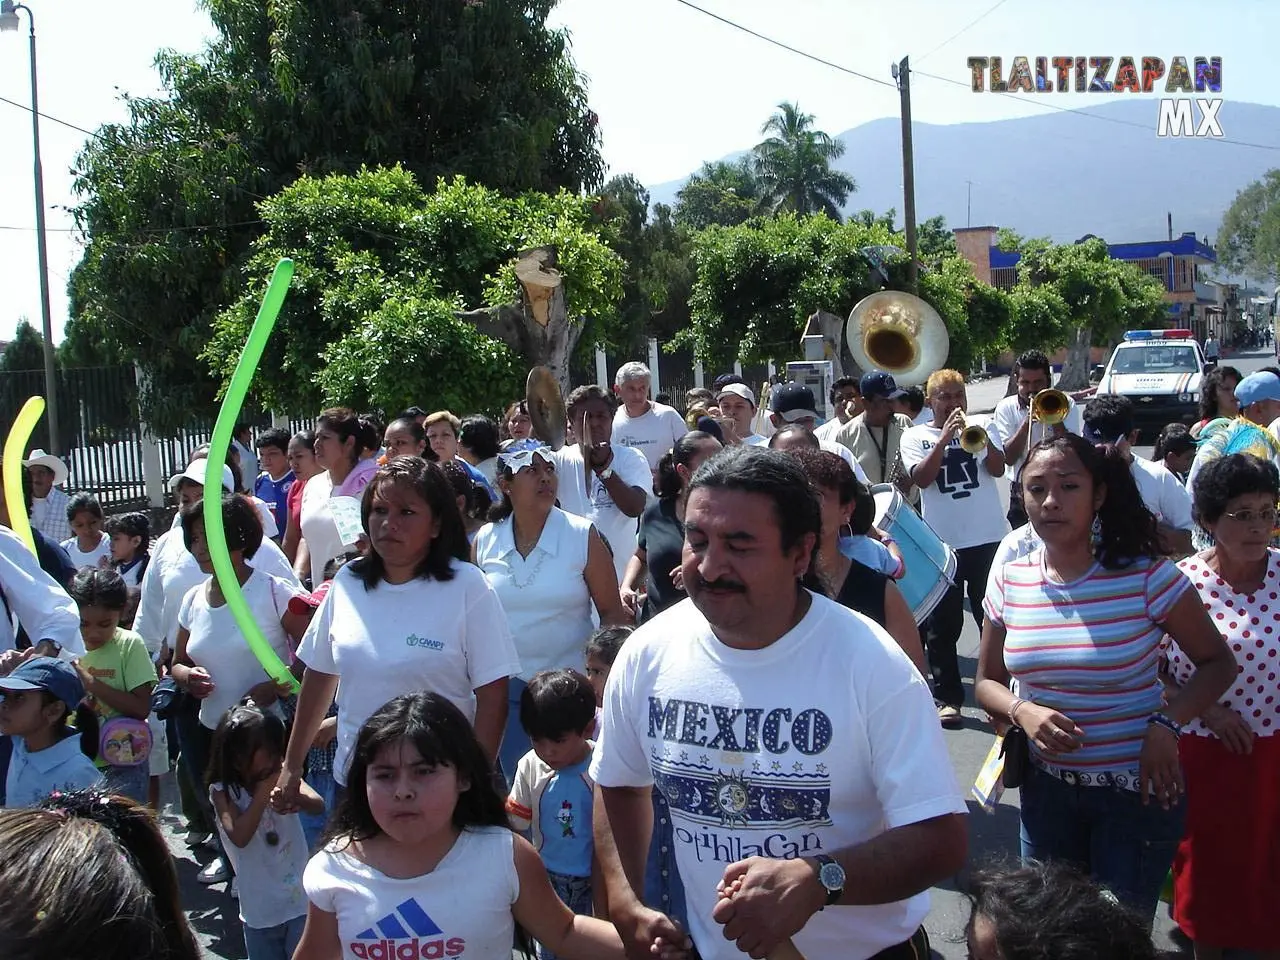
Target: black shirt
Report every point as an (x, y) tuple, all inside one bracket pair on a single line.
[(863, 590), (662, 540)]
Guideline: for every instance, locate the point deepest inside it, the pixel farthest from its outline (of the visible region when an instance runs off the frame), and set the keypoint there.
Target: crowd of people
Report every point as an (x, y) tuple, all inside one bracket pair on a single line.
[(659, 692)]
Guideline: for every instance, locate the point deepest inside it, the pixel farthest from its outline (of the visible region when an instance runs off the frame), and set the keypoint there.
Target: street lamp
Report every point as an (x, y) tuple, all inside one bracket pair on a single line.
[(9, 22)]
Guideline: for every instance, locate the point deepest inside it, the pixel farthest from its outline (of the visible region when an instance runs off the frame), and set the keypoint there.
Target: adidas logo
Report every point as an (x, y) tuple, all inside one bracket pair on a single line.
[(407, 933)]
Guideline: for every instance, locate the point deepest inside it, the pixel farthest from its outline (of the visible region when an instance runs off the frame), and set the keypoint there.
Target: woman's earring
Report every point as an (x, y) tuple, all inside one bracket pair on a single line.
[(846, 526), (1095, 532)]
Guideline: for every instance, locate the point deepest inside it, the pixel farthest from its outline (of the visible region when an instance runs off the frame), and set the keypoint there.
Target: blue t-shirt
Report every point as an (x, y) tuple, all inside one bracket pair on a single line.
[(275, 494), (33, 776), (870, 553), (555, 806)]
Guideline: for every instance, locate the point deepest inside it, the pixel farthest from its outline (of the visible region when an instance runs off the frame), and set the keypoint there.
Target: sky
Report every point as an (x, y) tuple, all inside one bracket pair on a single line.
[(673, 87)]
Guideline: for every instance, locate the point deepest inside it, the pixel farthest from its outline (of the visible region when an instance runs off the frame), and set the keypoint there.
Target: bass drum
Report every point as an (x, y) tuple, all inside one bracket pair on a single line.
[(930, 563)]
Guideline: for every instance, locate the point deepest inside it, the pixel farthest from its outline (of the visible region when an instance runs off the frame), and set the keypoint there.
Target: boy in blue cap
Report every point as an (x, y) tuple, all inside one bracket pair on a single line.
[(36, 700)]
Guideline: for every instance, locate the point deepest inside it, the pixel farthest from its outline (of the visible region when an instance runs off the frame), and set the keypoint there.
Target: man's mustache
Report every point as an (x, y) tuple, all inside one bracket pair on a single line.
[(726, 585)]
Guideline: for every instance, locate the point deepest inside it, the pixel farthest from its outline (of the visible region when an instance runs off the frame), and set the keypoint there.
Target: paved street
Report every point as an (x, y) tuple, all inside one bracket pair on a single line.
[(994, 835)]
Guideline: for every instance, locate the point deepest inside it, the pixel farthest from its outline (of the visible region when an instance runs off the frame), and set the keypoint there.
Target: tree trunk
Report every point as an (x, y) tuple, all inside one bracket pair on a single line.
[(538, 328), (1075, 369)]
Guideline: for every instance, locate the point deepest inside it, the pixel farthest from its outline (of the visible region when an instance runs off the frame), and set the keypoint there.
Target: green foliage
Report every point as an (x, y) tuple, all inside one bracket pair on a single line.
[(720, 194), (934, 240), (362, 242), (284, 89), (757, 284), (793, 166), (1249, 237), (25, 351), (414, 350)]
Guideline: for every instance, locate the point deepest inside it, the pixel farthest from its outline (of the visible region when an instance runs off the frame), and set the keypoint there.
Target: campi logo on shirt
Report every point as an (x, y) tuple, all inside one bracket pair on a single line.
[(407, 933), (413, 640)]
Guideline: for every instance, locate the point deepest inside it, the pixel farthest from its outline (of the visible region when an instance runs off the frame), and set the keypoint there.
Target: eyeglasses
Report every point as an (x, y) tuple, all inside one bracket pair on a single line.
[(1265, 517)]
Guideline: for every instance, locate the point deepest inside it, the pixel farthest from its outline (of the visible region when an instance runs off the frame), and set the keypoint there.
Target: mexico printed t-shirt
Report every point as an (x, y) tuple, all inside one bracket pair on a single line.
[(821, 741)]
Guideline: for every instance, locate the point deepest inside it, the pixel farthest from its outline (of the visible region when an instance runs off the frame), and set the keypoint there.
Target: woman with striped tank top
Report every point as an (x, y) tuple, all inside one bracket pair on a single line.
[(1079, 624)]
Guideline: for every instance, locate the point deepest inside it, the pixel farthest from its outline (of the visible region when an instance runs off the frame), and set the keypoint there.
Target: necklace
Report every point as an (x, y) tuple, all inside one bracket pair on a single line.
[(542, 555)]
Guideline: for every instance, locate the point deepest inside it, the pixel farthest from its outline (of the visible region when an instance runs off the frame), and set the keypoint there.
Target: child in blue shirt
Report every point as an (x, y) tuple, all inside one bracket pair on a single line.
[(36, 700), (551, 793), (869, 545), (272, 485)]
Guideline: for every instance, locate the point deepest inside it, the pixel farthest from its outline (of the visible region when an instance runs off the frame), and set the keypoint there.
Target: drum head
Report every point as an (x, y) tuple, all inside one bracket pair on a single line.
[(888, 502)]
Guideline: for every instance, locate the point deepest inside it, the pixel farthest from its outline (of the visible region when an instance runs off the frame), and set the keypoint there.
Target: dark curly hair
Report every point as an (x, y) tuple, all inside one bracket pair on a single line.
[(1221, 481), (1051, 911), (1127, 528), (1209, 390), (428, 481), (99, 587), (667, 485), (240, 523), (587, 393)]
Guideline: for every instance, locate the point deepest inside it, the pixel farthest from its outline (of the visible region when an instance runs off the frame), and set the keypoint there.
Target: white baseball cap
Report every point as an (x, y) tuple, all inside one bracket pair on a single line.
[(738, 390), (196, 473)]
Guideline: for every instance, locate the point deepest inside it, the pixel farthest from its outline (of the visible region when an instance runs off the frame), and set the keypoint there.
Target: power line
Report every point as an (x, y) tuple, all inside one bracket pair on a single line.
[(45, 116), (1041, 102), (778, 43), (971, 23)]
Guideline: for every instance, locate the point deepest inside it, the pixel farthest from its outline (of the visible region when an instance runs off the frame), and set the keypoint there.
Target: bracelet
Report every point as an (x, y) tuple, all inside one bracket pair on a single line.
[(1164, 720), (1014, 709), (888, 540)]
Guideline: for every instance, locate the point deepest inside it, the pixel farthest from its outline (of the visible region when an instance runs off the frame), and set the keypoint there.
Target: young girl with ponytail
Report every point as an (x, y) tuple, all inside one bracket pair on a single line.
[(1079, 625)]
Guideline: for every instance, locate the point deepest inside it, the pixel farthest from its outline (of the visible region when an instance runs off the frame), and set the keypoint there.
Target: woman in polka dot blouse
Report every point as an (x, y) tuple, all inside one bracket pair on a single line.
[(1227, 869)]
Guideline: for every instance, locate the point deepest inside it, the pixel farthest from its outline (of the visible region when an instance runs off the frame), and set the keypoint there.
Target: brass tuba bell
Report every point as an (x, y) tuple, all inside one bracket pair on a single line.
[(1050, 407), (899, 333)]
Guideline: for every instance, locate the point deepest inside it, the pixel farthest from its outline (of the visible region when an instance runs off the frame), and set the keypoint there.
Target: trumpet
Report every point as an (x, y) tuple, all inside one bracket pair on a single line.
[(973, 439), (1050, 407)]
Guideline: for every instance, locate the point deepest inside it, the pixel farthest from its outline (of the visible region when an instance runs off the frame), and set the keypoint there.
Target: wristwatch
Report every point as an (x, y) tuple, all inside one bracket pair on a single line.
[(831, 876)]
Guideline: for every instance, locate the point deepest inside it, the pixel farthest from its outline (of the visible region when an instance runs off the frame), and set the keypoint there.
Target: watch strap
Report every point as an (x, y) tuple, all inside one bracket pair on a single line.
[(833, 893)]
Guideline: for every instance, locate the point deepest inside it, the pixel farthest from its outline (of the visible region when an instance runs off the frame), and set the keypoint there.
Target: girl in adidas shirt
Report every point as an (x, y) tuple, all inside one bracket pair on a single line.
[(422, 863)]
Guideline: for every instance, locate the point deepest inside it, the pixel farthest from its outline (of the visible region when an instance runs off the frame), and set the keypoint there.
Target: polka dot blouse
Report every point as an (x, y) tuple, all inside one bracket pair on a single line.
[(1251, 626)]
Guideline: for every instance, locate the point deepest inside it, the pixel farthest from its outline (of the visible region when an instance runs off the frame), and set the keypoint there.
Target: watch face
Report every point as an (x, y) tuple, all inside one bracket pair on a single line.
[(832, 876)]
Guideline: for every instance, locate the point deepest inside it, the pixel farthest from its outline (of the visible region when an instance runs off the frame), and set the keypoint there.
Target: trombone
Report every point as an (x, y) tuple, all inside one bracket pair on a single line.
[(1050, 407)]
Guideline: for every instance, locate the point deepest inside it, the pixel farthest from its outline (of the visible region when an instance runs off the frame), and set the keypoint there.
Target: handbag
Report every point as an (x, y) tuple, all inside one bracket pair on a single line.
[(1017, 757), (125, 742)]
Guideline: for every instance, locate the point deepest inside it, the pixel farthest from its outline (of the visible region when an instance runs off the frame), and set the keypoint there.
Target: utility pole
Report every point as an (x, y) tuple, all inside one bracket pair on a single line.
[(968, 205), (902, 73)]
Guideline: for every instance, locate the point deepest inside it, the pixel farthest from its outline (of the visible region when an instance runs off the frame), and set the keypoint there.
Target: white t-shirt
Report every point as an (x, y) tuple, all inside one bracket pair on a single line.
[(1009, 416), (544, 595), (829, 429), (40, 604), (962, 505), (173, 571), (653, 433), (619, 531), (462, 908), (216, 643), (821, 741), (319, 529), (440, 636), (845, 454), (1162, 493), (269, 877), (1016, 544), (99, 556)]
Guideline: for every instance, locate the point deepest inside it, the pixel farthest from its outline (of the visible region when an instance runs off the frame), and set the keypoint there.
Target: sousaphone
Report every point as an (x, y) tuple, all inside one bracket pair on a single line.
[(546, 407), (899, 333)]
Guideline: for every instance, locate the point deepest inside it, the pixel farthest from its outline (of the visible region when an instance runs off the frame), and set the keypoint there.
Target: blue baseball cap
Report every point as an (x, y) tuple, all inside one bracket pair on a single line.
[(46, 673), (879, 383), (1257, 387)]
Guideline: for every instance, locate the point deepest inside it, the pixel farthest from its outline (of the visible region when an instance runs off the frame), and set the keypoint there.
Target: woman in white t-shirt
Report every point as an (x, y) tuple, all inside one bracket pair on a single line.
[(548, 567), (412, 615), (340, 441), (212, 660)]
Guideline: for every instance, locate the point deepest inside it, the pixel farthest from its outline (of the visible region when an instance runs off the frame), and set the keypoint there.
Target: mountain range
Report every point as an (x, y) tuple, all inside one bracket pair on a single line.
[(1101, 170)]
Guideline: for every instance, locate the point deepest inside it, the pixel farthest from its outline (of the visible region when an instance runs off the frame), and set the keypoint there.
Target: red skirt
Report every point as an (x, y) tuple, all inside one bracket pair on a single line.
[(1226, 874)]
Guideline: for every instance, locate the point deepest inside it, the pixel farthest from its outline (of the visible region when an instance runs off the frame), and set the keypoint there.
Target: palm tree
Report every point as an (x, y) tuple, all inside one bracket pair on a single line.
[(793, 166)]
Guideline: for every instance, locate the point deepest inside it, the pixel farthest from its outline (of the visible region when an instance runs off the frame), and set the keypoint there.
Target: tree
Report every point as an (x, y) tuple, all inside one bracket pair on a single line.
[(167, 201), (1092, 296), (373, 250), (25, 351), (721, 193), (1249, 237), (758, 283), (793, 166), (935, 241)]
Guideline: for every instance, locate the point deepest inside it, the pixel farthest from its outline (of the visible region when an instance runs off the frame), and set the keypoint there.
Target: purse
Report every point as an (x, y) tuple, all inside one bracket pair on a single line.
[(1017, 757), (125, 742)]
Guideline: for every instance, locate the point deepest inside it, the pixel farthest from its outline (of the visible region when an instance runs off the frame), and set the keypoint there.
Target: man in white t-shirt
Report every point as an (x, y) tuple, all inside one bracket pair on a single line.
[(737, 402), (608, 485), (640, 423), (794, 742), (846, 401), (960, 501), (1012, 423), (1109, 419)]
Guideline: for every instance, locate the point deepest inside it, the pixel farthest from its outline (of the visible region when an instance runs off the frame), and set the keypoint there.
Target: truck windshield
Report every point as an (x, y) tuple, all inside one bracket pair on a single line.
[(1156, 359)]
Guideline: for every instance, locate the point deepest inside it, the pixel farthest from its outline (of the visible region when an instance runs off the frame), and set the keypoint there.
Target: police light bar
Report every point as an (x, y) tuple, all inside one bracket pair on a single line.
[(1158, 335)]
